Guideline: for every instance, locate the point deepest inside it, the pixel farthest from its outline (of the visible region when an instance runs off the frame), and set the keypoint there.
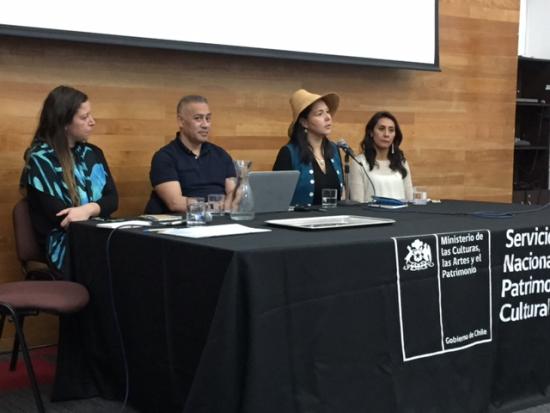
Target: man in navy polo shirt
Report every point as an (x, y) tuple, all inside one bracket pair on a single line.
[(189, 166)]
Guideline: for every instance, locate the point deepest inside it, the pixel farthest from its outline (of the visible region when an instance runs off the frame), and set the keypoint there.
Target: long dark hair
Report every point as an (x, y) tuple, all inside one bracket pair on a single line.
[(58, 111), (299, 139), (395, 155)]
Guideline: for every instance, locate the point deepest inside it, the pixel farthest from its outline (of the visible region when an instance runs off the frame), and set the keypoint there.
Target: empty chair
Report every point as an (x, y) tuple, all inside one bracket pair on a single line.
[(18, 298), (32, 258)]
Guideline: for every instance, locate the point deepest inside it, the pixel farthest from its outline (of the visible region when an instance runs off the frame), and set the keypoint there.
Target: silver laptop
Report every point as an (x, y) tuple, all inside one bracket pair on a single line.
[(273, 190)]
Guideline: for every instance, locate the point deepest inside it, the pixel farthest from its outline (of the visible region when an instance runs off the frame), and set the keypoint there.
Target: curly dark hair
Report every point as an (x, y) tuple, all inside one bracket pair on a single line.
[(395, 156)]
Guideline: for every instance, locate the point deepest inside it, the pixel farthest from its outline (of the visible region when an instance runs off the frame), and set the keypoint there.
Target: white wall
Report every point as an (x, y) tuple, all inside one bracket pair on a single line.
[(534, 35), (388, 30)]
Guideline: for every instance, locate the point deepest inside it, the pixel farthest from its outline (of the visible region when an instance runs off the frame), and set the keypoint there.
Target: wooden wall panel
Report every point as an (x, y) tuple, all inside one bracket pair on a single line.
[(458, 123)]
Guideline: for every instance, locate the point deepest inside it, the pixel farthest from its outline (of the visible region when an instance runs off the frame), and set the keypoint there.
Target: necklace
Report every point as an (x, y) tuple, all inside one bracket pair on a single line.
[(319, 160)]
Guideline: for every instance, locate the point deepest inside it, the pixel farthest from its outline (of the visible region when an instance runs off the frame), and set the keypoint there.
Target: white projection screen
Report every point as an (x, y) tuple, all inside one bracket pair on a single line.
[(390, 33)]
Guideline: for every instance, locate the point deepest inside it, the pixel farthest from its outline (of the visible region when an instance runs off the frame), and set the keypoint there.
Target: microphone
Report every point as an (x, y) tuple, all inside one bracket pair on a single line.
[(342, 144)]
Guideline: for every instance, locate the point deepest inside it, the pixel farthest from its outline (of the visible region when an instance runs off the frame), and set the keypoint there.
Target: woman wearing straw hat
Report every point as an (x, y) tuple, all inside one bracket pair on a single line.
[(388, 171), (309, 151)]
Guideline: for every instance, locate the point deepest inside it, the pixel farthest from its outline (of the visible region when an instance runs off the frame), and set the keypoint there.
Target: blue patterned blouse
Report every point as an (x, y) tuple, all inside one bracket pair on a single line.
[(48, 193)]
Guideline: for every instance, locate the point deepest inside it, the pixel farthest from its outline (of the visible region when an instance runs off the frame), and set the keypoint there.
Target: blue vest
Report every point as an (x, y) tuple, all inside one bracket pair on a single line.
[(305, 188)]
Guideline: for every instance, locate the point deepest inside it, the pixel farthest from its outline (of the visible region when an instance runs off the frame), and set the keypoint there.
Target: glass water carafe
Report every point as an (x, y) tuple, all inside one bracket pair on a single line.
[(242, 204)]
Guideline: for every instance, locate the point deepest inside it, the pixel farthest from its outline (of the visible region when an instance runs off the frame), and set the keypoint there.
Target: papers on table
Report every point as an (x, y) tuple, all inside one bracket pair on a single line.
[(127, 224), (205, 231), (202, 231)]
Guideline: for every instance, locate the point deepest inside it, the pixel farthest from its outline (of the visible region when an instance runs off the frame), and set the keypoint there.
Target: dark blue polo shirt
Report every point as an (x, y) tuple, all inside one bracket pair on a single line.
[(198, 176)]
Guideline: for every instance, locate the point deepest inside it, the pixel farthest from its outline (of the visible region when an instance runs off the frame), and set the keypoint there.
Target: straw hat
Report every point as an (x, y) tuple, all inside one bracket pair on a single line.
[(301, 99)]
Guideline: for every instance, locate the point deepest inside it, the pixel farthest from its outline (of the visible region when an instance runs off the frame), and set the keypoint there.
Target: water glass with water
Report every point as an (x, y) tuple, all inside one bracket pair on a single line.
[(196, 213), (420, 196), (329, 197), (216, 204)]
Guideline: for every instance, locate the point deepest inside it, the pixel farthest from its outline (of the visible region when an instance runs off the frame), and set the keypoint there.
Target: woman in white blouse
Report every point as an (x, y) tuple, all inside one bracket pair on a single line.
[(384, 164)]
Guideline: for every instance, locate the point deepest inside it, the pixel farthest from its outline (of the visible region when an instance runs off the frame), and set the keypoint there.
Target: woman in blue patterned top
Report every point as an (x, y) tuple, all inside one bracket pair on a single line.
[(309, 150), (67, 179)]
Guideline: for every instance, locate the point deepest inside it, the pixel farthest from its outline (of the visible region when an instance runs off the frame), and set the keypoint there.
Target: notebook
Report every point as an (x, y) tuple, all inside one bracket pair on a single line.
[(273, 190)]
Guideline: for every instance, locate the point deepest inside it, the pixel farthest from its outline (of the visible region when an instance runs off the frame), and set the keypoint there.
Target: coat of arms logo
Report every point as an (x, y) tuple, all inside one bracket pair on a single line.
[(419, 256)]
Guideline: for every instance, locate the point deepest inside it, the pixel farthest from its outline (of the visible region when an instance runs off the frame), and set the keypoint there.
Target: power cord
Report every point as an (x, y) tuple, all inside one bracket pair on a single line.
[(509, 214), (476, 214), (115, 314), (113, 306)]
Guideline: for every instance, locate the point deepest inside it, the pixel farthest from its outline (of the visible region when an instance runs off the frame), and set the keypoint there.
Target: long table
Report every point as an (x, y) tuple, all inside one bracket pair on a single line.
[(444, 311)]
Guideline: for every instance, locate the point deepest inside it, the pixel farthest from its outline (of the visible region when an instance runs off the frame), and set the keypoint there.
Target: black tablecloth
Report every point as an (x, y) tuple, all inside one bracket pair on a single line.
[(292, 321)]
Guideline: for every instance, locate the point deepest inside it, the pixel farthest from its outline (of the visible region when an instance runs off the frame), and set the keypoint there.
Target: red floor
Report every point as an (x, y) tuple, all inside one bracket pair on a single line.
[(43, 361)]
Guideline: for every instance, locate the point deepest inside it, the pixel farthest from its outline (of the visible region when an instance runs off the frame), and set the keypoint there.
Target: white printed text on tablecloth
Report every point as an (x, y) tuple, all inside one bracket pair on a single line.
[(444, 292)]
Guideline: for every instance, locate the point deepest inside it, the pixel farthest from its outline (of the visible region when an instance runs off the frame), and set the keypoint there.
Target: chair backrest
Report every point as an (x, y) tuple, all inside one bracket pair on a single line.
[(25, 238)]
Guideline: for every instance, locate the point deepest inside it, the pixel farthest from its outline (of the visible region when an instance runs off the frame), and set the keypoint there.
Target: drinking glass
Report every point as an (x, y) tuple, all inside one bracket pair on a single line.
[(420, 196), (196, 213), (216, 204), (329, 197)]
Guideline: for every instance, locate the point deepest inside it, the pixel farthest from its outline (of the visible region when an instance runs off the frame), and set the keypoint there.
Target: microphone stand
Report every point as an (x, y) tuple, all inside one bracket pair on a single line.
[(342, 144), (346, 174), (348, 155), (348, 200)]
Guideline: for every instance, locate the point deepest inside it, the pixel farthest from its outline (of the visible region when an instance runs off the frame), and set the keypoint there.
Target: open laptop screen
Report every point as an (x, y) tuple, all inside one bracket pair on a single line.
[(273, 190)]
